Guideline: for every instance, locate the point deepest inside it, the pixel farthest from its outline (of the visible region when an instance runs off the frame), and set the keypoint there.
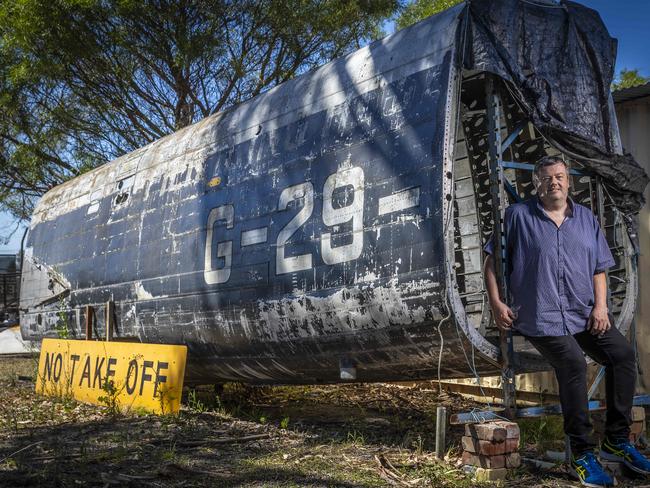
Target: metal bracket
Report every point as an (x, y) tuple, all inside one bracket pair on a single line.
[(519, 128), (531, 167), (532, 412)]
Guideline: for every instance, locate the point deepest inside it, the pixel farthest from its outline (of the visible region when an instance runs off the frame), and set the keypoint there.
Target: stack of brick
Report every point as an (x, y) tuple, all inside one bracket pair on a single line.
[(638, 427), (490, 449)]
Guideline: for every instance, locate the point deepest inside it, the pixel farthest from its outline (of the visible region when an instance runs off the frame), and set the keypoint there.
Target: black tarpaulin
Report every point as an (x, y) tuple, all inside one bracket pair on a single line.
[(558, 61)]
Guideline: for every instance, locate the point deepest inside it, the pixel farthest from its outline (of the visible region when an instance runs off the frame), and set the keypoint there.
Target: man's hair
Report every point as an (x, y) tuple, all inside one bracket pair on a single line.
[(549, 161)]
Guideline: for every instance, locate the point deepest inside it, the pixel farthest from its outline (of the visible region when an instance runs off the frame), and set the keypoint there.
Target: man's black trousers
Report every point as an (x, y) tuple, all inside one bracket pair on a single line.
[(611, 350)]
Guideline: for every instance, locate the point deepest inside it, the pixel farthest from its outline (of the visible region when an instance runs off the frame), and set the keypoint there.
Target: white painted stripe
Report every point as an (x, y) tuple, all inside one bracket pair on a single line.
[(253, 236), (93, 207), (399, 201)]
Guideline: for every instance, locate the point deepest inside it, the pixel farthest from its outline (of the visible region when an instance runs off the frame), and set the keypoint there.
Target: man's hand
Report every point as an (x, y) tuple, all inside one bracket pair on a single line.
[(598, 321), (503, 315)]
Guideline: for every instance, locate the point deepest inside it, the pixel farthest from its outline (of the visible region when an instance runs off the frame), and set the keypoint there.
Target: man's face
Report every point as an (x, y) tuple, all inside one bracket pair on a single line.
[(553, 184)]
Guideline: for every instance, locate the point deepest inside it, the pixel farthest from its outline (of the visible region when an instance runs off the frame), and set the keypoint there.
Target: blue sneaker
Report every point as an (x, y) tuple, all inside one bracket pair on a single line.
[(589, 471), (625, 452)]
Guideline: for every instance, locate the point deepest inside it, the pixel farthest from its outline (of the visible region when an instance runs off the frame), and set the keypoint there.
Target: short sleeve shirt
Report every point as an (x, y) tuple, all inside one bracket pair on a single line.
[(551, 268)]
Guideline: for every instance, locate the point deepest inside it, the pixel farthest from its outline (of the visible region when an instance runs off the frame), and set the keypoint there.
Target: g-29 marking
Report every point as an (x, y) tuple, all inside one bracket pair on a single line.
[(331, 217), (224, 249)]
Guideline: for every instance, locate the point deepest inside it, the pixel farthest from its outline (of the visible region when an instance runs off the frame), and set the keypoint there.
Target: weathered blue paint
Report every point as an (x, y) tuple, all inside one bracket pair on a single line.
[(378, 127), (379, 310)]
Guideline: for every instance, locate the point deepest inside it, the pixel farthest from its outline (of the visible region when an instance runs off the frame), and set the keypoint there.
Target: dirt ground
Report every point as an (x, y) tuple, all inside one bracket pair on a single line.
[(318, 436)]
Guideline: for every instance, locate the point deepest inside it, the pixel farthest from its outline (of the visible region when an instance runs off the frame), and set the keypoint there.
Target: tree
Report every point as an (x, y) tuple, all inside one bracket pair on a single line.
[(420, 9), (628, 78), (84, 81)]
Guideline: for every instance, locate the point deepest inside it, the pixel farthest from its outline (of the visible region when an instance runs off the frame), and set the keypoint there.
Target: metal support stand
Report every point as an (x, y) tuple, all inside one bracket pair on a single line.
[(441, 428), (499, 198)]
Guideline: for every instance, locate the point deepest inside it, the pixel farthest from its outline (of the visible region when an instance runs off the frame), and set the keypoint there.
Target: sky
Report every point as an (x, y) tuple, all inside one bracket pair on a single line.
[(629, 22), (626, 20)]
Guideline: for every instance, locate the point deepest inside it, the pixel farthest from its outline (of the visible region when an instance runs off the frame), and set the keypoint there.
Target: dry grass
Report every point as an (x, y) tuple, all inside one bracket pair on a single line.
[(346, 436)]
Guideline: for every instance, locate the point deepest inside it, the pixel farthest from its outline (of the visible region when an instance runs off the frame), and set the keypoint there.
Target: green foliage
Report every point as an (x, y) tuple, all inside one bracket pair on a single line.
[(84, 81), (62, 329), (628, 78), (418, 10), (194, 403), (111, 397), (355, 438), (284, 423), (543, 432)]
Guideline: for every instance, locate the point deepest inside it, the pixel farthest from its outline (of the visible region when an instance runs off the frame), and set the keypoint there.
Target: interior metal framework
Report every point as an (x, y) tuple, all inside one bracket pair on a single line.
[(520, 145)]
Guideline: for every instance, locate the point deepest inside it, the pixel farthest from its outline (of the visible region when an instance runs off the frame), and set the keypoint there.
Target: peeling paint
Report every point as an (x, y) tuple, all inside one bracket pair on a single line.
[(141, 293), (329, 239)]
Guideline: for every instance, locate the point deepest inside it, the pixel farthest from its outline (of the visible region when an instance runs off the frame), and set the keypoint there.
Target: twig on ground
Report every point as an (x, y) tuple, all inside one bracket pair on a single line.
[(20, 450), (212, 442), (388, 472)]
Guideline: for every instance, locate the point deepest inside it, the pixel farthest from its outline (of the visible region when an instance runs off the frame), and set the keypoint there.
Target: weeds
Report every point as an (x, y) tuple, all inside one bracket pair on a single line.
[(62, 329), (111, 397), (544, 432), (355, 438), (418, 445), (194, 403)]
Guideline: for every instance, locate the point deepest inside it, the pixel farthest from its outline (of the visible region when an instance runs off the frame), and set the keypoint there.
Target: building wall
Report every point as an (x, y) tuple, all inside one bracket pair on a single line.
[(634, 125)]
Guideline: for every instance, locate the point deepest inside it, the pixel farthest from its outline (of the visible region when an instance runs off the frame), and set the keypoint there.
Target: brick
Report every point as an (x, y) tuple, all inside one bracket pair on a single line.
[(512, 429), (488, 431), (485, 474), (637, 427), (484, 461), (478, 446), (512, 445), (638, 413), (513, 460)]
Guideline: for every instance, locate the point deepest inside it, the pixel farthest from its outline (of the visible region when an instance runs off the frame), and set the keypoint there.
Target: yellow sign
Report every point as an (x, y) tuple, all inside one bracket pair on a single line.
[(121, 375)]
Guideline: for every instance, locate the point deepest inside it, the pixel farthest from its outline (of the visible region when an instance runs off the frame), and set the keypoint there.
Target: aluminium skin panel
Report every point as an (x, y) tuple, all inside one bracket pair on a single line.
[(296, 230)]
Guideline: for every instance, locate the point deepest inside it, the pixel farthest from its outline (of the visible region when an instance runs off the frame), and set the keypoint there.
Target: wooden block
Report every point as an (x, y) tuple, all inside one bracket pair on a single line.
[(638, 413), (488, 431), (513, 460), (89, 322), (512, 428), (109, 320), (484, 474), (487, 448), (637, 427), (479, 460)]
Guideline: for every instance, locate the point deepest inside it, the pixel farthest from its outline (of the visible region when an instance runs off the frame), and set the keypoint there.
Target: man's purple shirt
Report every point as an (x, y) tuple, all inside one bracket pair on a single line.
[(550, 268)]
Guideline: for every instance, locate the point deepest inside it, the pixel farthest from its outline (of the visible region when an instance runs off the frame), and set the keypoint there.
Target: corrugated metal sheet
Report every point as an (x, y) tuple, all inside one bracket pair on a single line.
[(632, 93), (633, 113)]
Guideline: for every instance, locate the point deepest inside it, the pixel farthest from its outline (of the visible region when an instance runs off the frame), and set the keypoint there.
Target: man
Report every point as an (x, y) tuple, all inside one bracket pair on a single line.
[(557, 257)]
